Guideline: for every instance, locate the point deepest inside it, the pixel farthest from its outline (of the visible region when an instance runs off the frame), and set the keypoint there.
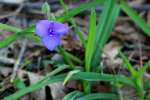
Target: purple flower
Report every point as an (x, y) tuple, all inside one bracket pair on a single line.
[(50, 33)]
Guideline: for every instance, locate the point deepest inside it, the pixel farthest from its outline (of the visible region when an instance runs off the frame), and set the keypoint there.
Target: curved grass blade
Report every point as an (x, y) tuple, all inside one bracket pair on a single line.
[(73, 95), (79, 9), (9, 39), (70, 74), (17, 33)]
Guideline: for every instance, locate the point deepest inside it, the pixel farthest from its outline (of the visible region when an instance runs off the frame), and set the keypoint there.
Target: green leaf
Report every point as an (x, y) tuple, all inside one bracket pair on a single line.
[(66, 58), (9, 39), (68, 77), (79, 9), (148, 97), (72, 57), (142, 70), (35, 86), (9, 28), (135, 17), (13, 37), (18, 83), (73, 95), (105, 25), (48, 79), (88, 76), (74, 25), (98, 96), (128, 65), (78, 32), (91, 76), (91, 41)]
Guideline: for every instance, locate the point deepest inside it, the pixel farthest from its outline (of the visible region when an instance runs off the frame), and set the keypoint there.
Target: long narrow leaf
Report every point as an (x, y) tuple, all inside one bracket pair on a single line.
[(135, 17), (91, 76), (9, 28), (48, 79), (91, 40), (95, 96), (9, 39), (79, 9), (70, 74), (142, 70), (105, 26), (73, 95), (128, 64), (88, 76), (17, 33)]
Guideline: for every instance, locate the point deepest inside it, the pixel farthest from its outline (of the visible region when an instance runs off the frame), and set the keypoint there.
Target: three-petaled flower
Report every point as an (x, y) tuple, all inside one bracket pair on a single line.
[(50, 33)]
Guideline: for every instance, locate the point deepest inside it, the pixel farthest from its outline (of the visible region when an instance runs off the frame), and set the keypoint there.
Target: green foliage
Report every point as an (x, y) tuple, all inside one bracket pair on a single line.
[(136, 76), (70, 74), (95, 96), (90, 41), (9, 39), (73, 95), (79, 9), (135, 17), (9, 28), (88, 76), (48, 79), (18, 83), (105, 25), (97, 37)]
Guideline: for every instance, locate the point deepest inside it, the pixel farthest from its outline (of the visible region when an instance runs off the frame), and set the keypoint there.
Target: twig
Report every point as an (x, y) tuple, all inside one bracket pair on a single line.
[(13, 13), (18, 62)]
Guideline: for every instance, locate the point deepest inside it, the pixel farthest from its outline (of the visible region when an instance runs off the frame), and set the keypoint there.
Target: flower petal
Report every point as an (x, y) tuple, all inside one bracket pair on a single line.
[(60, 28), (42, 28), (51, 42)]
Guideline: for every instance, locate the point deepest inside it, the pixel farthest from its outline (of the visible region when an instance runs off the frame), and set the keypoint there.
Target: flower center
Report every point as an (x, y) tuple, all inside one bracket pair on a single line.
[(51, 29)]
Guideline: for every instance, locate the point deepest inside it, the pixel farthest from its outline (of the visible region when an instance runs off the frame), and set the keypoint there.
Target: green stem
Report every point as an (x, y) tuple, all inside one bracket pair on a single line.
[(10, 28), (86, 85), (76, 28), (68, 60)]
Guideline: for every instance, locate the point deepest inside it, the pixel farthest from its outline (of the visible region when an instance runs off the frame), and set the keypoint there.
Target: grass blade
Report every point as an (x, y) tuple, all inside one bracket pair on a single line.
[(79, 9), (135, 17), (142, 70), (48, 79), (74, 25), (70, 74), (88, 76), (104, 27), (9, 39), (128, 65), (91, 41), (17, 33), (91, 76), (9, 28), (73, 95), (95, 96)]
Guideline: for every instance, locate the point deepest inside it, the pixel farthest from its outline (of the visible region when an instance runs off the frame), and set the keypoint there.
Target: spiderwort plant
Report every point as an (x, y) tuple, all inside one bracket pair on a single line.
[(50, 32)]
